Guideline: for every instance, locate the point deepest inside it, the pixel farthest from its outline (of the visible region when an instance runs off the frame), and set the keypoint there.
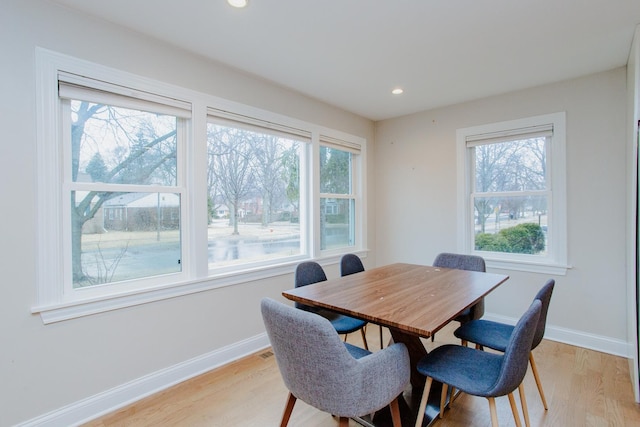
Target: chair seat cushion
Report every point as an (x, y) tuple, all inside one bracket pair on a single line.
[(458, 366), (490, 334), (343, 324), (357, 352)]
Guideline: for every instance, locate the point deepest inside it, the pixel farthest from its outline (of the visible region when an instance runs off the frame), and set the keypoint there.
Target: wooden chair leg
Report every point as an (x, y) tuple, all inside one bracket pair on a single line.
[(494, 412), (534, 368), (344, 422), (287, 410), (514, 410), (454, 394), (443, 399), (381, 342), (364, 338), (423, 402), (523, 402), (395, 413)]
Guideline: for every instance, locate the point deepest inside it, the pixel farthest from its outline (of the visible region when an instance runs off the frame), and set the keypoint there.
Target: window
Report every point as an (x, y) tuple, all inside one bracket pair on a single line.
[(253, 190), (148, 191), (338, 164), (121, 154), (513, 194)]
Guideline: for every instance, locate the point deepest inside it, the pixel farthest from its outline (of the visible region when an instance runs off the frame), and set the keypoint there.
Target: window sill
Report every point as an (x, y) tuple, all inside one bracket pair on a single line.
[(530, 267), (58, 312)]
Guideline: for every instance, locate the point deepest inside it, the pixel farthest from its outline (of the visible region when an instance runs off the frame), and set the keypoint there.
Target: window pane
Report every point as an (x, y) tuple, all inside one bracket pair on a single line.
[(337, 223), (254, 196), (126, 236), (118, 145), (511, 166), (335, 171), (515, 224)]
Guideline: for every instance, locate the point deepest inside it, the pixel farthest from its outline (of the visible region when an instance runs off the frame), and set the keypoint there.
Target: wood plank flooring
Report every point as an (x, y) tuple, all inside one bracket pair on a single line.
[(582, 387)]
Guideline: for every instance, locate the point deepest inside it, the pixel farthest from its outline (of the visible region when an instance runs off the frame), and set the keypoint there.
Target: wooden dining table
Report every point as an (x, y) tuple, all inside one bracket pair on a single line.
[(412, 301)]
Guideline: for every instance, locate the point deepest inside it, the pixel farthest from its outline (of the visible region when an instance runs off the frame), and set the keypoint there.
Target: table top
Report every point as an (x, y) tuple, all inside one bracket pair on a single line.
[(416, 299)]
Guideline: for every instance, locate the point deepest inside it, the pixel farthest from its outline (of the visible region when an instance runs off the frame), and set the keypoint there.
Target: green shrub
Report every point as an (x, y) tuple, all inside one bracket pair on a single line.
[(491, 242), (525, 238)]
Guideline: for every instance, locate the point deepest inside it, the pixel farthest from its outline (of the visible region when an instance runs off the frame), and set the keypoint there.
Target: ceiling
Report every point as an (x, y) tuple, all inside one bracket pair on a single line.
[(352, 53)]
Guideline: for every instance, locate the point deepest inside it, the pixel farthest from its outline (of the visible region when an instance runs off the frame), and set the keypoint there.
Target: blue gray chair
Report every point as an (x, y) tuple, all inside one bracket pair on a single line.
[(481, 373), (495, 335), (328, 374), (351, 264), (310, 272), (464, 262)]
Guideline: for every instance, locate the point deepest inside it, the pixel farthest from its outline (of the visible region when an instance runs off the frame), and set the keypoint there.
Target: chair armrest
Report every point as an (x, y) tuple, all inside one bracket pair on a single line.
[(379, 377)]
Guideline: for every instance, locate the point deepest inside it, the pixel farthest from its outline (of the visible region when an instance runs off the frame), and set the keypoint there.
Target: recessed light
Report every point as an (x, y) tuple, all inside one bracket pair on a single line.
[(397, 91), (238, 3)]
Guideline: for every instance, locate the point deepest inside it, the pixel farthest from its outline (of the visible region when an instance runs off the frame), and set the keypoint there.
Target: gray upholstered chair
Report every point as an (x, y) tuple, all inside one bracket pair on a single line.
[(310, 272), (495, 335), (481, 373), (351, 264), (331, 375)]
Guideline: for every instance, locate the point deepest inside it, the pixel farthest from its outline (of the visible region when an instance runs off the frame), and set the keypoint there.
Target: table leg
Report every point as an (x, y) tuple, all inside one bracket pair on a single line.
[(416, 352), (410, 400)]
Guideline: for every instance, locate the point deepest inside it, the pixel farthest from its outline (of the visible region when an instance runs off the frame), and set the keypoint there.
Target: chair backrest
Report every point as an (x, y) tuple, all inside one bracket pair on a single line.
[(350, 264), (310, 355), (516, 356), (460, 262), (317, 367), (544, 295), (464, 262), (307, 273)]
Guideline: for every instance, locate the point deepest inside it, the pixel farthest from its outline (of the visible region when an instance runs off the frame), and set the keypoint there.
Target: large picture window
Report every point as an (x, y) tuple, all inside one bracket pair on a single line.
[(513, 195), (148, 191), (253, 190)]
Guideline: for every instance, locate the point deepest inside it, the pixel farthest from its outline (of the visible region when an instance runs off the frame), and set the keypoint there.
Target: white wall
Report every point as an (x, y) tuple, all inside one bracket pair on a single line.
[(416, 198), (633, 117), (44, 368), (411, 194)]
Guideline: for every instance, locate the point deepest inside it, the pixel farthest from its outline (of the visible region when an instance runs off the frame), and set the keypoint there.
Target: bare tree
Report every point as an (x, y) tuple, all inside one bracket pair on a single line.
[(231, 167), (512, 166), (268, 166), (139, 158)]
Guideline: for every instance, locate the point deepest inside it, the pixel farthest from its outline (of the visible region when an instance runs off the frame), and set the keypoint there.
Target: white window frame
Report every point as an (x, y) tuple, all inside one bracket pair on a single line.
[(53, 302), (555, 262), (355, 148)]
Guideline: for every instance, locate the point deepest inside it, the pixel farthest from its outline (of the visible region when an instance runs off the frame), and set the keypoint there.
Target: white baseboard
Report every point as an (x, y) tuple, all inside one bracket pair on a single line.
[(576, 338), (125, 394)]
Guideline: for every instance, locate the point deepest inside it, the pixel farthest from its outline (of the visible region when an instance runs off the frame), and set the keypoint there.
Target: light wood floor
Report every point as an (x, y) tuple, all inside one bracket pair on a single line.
[(582, 387)]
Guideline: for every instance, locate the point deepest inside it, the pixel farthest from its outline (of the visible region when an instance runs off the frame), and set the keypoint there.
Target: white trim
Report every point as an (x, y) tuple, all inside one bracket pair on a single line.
[(52, 313), (531, 267), (108, 401), (574, 337)]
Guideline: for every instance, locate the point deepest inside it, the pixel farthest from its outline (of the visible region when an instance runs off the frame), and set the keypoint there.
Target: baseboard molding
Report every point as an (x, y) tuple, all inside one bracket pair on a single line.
[(125, 394), (118, 397), (576, 338)]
